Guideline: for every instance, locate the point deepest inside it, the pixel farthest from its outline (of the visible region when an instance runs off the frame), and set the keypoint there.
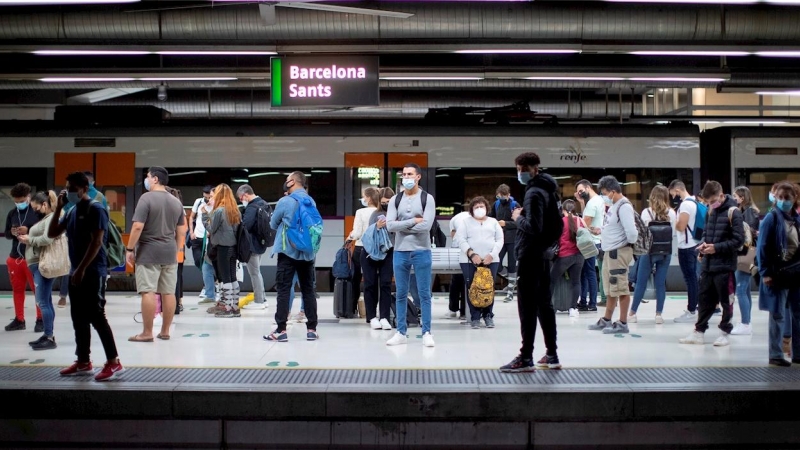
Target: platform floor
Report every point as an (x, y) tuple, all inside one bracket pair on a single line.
[(200, 340)]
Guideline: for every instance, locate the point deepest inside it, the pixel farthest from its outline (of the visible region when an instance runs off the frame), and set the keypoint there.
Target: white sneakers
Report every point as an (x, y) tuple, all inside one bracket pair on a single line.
[(742, 329), (659, 319), (375, 324), (401, 339), (722, 340), (632, 318), (687, 317), (574, 313), (255, 306), (696, 338), (449, 315), (385, 325), (397, 339)]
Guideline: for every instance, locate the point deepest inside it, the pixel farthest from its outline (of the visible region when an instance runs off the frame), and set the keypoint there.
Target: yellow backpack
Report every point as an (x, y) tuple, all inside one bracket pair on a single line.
[(481, 291)]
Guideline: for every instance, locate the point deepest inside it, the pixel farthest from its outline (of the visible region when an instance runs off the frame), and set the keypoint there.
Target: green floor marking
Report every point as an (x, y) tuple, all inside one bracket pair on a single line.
[(619, 335), (188, 335), (636, 335), (204, 335), (419, 336), (18, 361), (273, 364), (38, 361), (292, 364), (5, 296), (192, 309), (9, 307)]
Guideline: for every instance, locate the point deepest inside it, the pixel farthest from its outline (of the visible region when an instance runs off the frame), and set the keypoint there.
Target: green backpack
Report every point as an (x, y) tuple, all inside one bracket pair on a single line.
[(114, 247)]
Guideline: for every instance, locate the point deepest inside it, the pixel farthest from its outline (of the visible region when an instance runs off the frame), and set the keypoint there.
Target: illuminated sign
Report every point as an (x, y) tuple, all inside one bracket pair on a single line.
[(324, 81), (373, 174)]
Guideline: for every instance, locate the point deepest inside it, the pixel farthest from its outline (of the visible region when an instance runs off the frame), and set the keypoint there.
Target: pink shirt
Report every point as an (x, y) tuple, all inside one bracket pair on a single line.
[(566, 246)]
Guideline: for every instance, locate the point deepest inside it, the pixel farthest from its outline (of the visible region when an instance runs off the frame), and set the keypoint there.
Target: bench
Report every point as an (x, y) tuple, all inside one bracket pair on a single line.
[(444, 260)]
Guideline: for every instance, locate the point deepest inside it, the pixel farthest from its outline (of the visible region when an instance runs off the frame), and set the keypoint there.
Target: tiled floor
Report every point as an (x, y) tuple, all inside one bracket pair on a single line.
[(200, 340)]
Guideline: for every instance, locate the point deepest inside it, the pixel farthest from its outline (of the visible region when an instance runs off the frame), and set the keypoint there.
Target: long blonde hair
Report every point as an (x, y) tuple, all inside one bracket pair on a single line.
[(223, 198), (659, 203)]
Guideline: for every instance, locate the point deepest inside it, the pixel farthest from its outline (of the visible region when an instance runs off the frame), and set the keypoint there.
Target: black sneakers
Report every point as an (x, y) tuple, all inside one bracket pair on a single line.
[(49, 343), (519, 365), (16, 325), (39, 327), (41, 338)]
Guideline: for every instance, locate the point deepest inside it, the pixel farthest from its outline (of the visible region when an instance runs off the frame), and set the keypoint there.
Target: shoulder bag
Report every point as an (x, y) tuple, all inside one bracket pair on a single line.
[(54, 259)]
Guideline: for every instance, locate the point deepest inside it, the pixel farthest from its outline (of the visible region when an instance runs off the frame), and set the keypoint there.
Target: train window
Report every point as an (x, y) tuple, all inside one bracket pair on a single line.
[(456, 185), (761, 182), (266, 182), (777, 151), (116, 197), (36, 178)]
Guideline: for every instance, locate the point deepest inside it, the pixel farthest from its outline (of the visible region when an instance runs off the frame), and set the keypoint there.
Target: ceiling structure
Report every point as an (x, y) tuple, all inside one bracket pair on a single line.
[(569, 58)]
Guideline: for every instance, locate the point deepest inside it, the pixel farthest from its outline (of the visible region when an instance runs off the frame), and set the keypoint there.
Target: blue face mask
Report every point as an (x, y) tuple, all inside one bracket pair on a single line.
[(147, 183), (607, 200), (22, 206), (409, 183), (784, 205), (771, 197), (73, 197), (363, 202), (524, 177)]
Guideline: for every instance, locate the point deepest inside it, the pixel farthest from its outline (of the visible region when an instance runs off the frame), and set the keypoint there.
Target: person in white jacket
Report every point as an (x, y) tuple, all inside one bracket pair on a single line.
[(370, 200), (480, 239)]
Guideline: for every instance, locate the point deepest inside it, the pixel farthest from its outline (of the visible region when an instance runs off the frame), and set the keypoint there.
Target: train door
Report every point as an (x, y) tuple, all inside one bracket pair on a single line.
[(373, 169)]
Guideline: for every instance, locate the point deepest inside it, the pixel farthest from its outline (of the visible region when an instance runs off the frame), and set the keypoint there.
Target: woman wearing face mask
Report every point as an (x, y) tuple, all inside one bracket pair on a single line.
[(370, 200), (570, 260), (378, 274), (36, 240), (777, 247), (480, 239), (743, 278)]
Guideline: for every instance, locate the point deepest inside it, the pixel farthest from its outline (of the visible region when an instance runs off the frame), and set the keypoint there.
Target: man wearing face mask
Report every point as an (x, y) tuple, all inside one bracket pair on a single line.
[(687, 246), (719, 249), (502, 209), (197, 238), (594, 213), (94, 193), (412, 222), (539, 226), (258, 244), (19, 220)]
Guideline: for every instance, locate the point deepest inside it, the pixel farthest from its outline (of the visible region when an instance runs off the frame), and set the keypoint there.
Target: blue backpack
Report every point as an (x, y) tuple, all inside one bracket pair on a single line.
[(304, 232), (513, 204), (343, 264), (699, 220)]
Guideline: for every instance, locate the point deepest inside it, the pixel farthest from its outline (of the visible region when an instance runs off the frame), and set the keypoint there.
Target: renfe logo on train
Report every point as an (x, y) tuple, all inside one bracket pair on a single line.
[(340, 81)]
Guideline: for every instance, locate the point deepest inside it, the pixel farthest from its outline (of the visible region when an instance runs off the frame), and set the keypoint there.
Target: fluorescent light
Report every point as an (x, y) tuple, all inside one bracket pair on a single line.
[(740, 122), (320, 171), (63, 2), (194, 172), (240, 180), (189, 79), (687, 79), (202, 52), (82, 80), (445, 78), (576, 78), (713, 2), (89, 52), (688, 53), (263, 174), (790, 93), (781, 54), (518, 51)]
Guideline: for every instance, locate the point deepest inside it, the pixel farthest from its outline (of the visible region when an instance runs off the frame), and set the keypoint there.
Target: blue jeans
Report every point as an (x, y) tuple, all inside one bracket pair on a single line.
[(645, 268), (789, 305), (743, 294), (208, 279), (44, 298), (589, 282), (469, 270), (420, 260), (295, 280), (687, 258), (63, 289)]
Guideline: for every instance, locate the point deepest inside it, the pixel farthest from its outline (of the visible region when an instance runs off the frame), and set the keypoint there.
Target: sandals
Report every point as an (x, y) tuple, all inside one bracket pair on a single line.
[(163, 337), (137, 338)]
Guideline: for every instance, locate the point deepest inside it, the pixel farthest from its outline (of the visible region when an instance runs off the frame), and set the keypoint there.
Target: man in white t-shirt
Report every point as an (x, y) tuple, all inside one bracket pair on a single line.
[(687, 247), (594, 211), (457, 286), (197, 233)]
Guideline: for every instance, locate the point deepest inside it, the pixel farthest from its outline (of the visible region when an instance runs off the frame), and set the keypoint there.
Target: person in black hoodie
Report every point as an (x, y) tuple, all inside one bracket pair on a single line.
[(252, 203), (19, 220), (539, 226), (502, 210), (719, 249)]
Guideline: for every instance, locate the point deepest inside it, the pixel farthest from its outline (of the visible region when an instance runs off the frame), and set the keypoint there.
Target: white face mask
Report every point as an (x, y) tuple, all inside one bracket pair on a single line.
[(479, 213), (363, 202)]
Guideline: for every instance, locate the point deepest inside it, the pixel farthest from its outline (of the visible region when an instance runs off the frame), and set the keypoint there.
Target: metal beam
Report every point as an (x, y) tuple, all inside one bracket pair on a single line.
[(101, 95)]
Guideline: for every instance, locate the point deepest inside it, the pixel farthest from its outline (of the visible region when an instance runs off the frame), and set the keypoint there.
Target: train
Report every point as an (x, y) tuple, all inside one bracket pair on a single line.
[(341, 158)]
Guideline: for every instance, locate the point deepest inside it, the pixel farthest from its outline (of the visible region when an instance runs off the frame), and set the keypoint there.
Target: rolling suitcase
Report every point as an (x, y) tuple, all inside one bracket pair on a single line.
[(562, 293), (343, 306)]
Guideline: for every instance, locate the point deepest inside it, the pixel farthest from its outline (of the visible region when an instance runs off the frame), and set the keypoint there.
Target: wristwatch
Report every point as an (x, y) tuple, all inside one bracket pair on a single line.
[(129, 249)]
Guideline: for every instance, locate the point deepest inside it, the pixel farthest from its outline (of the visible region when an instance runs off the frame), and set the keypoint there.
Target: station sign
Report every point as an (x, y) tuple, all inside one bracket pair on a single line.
[(324, 81)]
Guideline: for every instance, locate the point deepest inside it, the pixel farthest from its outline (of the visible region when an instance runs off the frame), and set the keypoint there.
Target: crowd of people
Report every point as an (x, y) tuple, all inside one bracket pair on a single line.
[(559, 256)]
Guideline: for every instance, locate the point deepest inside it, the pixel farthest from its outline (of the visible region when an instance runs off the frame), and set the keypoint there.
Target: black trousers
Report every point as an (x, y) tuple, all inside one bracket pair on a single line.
[(377, 285), (715, 289), (88, 309), (510, 249), (357, 270), (197, 252), (225, 264), (287, 267), (534, 302), (458, 294)]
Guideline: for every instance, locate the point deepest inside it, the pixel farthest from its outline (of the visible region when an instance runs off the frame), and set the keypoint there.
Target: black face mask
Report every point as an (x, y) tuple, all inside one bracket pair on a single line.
[(285, 186), (385, 206), (584, 196), (675, 201), (205, 200), (504, 201)]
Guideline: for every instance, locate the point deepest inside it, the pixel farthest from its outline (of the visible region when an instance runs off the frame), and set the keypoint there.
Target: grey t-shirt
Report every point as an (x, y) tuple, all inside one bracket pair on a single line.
[(161, 214)]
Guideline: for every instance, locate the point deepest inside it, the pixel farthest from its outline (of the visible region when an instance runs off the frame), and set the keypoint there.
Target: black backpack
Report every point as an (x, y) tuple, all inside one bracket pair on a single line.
[(438, 238), (553, 223), (243, 249), (661, 233), (264, 233)]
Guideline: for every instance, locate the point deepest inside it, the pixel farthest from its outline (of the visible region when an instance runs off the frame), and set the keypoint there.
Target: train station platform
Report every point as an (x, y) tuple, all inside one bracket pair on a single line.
[(217, 384)]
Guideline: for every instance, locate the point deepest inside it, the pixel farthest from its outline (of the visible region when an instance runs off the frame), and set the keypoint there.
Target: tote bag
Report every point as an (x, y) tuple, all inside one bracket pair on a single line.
[(54, 259)]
